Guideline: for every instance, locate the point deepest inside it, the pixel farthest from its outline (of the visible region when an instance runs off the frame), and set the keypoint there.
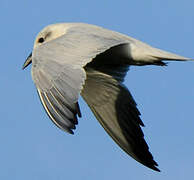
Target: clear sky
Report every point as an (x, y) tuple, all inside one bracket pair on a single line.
[(33, 148)]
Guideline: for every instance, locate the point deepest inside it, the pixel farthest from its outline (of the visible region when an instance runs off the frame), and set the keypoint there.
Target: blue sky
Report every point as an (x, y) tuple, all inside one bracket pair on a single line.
[(33, 148)]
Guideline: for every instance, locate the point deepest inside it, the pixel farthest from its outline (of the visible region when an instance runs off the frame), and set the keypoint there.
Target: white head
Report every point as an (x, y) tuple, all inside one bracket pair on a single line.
[(51, 32), (47, 34)]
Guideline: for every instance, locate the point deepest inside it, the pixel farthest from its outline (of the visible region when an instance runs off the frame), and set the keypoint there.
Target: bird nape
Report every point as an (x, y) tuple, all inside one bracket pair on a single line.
[(73, 59)]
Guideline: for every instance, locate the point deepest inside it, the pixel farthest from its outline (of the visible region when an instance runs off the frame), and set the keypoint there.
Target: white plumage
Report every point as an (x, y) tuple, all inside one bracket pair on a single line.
[(74, 58)]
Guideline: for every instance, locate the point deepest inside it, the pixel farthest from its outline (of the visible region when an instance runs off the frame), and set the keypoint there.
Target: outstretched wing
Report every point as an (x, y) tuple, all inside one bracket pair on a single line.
[(57, 70), (115, 109)]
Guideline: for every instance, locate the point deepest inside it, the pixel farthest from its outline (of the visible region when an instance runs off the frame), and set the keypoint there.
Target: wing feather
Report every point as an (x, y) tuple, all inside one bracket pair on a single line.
[(57, 70), (115, 109), (52, 114), (59, 94)]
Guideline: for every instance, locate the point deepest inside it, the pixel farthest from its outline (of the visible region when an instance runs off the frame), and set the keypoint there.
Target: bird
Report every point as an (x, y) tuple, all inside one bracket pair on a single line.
[(73, 59)]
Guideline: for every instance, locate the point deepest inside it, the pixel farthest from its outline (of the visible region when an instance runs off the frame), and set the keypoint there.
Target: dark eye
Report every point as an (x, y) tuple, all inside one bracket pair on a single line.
[(41, 40)]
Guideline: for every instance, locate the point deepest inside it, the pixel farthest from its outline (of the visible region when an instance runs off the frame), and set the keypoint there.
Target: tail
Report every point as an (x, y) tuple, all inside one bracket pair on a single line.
[(159, 56), (147, 55)]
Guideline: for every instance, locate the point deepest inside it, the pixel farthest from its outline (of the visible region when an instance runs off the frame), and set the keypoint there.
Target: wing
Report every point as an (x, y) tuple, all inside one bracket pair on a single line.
[(59, 93), (115, 109), (57, 70)]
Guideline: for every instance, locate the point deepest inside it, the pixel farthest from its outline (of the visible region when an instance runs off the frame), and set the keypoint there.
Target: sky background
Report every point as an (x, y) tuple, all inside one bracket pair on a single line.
[(33, 148)]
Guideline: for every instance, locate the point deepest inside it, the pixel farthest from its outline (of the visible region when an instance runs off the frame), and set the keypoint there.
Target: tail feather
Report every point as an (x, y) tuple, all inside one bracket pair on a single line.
[(153, 56), (164, 55), (142, 54)]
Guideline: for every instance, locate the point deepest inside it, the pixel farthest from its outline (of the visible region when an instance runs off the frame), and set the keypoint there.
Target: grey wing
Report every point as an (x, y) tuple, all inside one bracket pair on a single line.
[(59, 94), (115, 109), (57, 71)]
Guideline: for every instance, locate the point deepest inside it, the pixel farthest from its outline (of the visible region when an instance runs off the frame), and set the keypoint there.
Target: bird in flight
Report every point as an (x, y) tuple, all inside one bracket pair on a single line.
[(72, 59)]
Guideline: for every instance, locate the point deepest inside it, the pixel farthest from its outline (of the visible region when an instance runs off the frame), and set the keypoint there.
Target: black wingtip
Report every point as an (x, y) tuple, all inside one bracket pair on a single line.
[(70, 131), (154, 166), (142, 124), (78, 110), (156, 169)]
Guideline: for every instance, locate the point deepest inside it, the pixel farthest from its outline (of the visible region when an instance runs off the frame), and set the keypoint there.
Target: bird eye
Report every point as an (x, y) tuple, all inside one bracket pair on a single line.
[(41, 40)]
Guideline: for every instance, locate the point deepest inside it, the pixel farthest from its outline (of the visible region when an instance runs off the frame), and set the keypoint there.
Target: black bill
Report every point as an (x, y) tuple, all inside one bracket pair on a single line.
[(28, 61)]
